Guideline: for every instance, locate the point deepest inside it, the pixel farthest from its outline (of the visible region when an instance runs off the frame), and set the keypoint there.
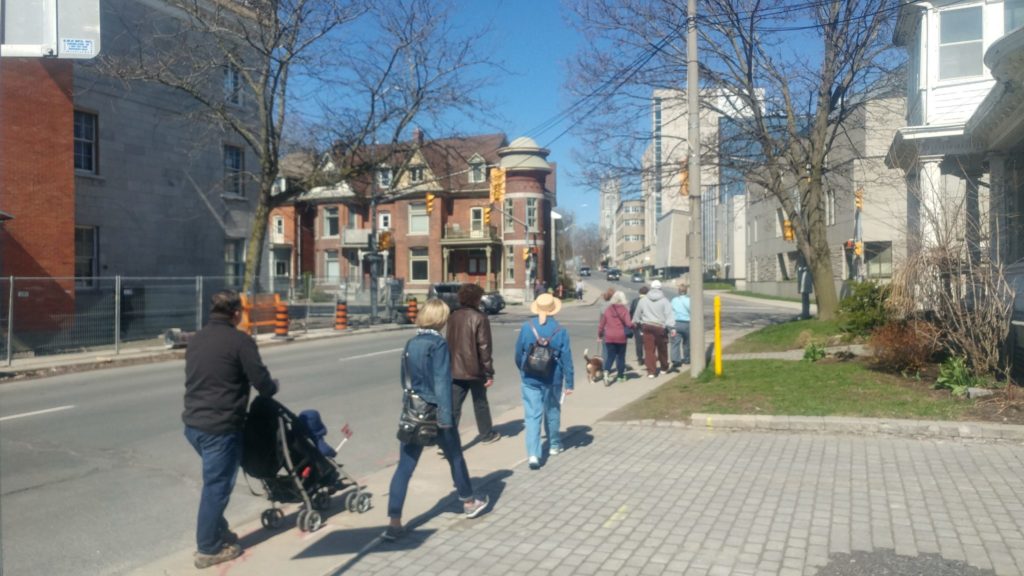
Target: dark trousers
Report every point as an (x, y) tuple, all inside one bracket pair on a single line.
[(638, 340), (482, 410), (655, 343), (221, 455), (615, 354), (409, 456)]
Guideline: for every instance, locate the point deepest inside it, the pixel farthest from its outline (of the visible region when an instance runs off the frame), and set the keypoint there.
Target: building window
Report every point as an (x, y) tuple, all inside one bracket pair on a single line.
[(878, 260), (510, 224), (1013, 14), (416, 174), (332, 271), (531, 213), (419, 220), (510, 263), (780, 218), (234, 260), (233, 167), (830, 208), (280, 268), (86, 139), (353, 218), (419, 265), (278, 229), (384, 177), (476, 221), (86, 256), (477, 172), (232, 85), (384, 220), (960, 43), (330, 222)]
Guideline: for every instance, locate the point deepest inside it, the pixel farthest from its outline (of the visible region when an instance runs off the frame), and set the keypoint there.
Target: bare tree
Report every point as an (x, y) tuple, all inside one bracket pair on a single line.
[(316, 74), (586, 243), (789, 102)]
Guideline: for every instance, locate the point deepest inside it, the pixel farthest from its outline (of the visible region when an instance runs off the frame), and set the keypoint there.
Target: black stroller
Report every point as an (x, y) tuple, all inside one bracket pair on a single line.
[(282, 452)]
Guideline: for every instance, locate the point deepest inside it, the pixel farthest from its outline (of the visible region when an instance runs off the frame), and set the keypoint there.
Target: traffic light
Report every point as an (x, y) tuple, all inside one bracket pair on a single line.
[(858, 248), (787, 230), (430, 202), (858, 198), (497, 184), (384, 241), (487, 215), (526, 253)]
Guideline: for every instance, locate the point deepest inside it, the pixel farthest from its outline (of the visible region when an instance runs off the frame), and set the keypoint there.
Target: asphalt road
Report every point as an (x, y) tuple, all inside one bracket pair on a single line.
[(97, 478)]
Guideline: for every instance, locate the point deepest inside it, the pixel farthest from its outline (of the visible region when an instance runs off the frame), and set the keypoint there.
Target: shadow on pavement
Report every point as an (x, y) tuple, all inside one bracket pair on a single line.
[(261, 535), (363, 541)]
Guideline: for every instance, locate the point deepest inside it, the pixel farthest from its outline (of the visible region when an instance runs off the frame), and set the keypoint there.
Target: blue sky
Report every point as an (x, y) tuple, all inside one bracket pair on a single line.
[(533, 41)]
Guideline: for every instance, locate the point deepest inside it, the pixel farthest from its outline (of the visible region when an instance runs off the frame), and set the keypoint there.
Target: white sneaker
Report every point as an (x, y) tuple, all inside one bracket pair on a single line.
[(534, 463), (555, 450)]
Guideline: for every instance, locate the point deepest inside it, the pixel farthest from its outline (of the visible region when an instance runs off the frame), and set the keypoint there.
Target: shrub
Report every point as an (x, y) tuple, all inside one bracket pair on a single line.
[(956, 376), (904, 346), (864, 309), (814, 352)]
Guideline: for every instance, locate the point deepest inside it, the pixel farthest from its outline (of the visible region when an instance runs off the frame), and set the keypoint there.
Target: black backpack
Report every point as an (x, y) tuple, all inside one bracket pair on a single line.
[(540, 360)]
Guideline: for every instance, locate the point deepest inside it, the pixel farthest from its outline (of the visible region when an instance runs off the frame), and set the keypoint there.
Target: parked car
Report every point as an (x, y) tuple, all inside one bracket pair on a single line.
[(638, 277), (585, 271), (490, 303), (613, 274)]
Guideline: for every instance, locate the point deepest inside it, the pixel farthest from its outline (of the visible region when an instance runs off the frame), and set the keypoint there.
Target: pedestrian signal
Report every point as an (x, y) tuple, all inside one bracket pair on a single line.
[(385, 241)]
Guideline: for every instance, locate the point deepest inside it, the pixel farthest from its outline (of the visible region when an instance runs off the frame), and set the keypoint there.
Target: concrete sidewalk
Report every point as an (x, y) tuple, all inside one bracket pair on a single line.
[(347, 538)]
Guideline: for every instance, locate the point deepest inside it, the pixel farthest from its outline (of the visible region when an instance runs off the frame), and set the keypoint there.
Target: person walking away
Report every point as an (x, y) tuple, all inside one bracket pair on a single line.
[(638, 336), (222, 365), (426, 365), (654, 315), (579, 291), (681, 334), (542, 382), (469, 339), (612, 329)]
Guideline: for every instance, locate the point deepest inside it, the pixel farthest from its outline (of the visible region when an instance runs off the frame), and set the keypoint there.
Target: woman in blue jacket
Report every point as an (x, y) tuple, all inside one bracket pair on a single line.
[(542, 393), (426, 366)]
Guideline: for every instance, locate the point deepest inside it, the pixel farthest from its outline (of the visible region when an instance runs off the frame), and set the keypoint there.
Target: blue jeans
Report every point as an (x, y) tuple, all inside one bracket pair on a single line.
[(541, 400), (409, 455), (681, 339), (221, 455), (615, 354)]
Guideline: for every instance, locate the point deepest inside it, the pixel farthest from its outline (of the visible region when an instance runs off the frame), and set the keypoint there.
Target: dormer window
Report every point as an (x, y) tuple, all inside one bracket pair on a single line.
[(416, 174), (384, 177), (477, 170)]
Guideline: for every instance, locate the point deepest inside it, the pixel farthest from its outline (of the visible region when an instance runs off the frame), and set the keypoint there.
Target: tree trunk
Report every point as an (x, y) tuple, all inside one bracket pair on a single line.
[(257, 239)]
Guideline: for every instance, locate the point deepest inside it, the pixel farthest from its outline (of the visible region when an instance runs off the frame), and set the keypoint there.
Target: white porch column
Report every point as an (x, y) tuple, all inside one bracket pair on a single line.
[(444, 264), (999, 208), (931, 211)]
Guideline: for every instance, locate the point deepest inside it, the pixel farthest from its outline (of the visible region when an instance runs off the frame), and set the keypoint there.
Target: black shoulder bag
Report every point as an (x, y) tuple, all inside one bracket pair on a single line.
[(418, 421)]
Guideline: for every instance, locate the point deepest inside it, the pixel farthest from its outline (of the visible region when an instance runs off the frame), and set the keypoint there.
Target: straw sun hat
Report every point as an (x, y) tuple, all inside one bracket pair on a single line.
[(546, 305)]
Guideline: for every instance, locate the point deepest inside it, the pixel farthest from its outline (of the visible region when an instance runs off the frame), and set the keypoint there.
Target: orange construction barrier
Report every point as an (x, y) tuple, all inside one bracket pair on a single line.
[(281, 320), (258, 311), (341, 316), (412, 310)]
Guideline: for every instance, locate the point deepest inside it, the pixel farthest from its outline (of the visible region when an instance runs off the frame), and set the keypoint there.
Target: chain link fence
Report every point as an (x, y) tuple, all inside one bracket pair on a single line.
[(46, 316)]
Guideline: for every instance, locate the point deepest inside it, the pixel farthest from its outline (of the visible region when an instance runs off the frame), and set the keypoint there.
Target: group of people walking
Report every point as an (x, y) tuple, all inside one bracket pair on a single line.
[(654, 322), (222, 365)]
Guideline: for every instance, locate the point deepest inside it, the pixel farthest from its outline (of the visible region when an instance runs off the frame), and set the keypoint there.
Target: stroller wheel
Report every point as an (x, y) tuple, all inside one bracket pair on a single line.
[(350, 501), (271, 518), (321, 500), (309, 520), (363, 502)]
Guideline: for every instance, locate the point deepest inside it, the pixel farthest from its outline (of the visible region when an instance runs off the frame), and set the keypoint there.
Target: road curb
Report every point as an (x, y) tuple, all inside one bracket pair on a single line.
[(844, 425)]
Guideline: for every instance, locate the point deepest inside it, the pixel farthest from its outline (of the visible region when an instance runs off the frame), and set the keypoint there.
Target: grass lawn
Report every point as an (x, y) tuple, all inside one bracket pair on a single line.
[(826, 388), (786, 336), (718, 286), (764, 296)]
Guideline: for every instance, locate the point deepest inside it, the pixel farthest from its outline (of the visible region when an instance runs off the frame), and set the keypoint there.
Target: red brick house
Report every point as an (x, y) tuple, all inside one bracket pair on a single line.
[(431, 201)]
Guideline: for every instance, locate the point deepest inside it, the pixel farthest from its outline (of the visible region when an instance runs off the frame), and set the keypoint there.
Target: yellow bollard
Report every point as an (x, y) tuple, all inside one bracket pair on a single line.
[(718, 335)]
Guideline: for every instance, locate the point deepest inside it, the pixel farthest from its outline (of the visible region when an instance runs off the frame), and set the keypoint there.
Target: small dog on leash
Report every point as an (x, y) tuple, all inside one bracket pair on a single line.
[(595, 367)]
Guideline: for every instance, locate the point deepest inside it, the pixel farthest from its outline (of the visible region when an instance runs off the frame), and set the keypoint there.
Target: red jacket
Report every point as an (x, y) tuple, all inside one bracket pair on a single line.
[(614, 321)]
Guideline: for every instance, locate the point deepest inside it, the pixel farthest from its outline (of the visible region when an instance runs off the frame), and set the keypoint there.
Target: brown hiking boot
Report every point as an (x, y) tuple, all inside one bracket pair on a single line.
[(228, 552)]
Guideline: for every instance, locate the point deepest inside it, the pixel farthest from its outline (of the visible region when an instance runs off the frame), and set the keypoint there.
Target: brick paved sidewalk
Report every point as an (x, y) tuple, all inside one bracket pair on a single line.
[(660, 500)]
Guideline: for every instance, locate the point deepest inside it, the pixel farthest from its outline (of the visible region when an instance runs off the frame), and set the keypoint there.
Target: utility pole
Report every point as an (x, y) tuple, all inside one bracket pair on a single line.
[(697, 355)]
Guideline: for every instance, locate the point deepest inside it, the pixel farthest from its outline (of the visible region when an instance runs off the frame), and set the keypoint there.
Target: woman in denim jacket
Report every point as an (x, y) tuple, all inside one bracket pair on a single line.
[(427, 367), (544, 397)]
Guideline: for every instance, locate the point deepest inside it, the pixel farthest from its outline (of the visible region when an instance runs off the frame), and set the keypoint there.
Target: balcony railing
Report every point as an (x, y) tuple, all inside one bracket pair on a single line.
[(358, 237), (456, 233)]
